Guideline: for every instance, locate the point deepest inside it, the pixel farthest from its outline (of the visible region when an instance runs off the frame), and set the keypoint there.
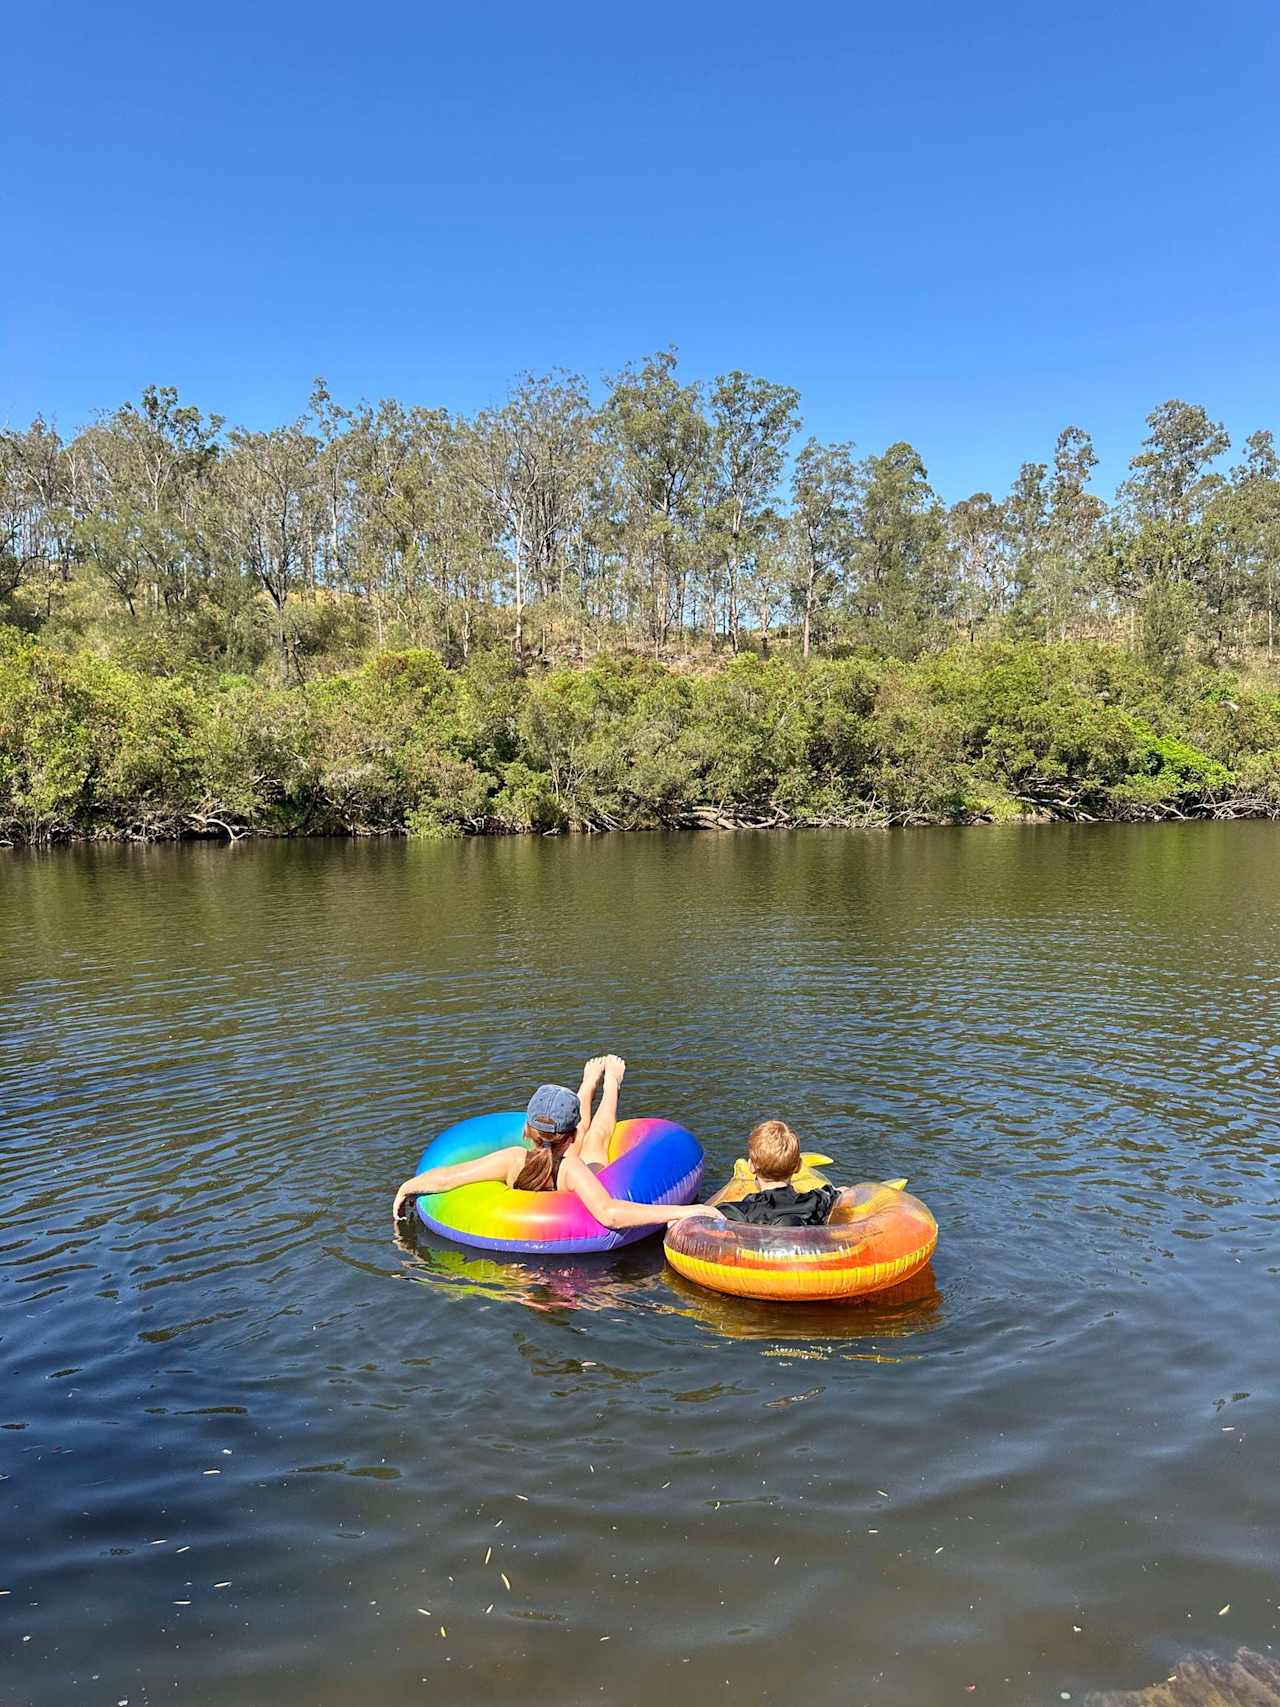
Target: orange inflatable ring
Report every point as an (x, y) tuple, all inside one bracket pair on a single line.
[(878, 1236)]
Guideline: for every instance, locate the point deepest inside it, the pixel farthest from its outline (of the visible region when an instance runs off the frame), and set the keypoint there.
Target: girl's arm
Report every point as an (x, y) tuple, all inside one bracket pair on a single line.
[(577, 1177), (496, 1165)]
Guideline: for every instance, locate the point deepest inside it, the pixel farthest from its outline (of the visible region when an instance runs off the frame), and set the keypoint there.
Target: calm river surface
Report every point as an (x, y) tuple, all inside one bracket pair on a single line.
[(254, 1451)]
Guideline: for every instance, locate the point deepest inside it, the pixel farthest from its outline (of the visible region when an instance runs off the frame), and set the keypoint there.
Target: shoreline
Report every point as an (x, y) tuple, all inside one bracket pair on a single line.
[(1235, 809)]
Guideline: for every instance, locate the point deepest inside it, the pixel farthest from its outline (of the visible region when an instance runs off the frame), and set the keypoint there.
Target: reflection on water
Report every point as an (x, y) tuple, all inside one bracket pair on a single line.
[(624, 1277), (1247, 1680), (638, 1278), (897, 1313)]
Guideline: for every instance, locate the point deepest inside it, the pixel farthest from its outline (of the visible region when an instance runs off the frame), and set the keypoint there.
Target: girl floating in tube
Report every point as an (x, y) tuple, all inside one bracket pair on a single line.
[(569, 1147)]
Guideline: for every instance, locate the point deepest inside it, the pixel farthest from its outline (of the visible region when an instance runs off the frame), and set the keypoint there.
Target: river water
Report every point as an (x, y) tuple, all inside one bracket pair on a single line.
[(256, 1451)]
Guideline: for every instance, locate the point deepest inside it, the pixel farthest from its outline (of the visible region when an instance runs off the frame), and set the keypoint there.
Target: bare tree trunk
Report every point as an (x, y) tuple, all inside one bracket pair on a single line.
[(518, 641), (808, 610)]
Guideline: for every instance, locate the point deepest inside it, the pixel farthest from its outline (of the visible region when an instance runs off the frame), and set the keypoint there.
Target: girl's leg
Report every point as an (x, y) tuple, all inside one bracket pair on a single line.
[(595, 1144), (592, 1073)]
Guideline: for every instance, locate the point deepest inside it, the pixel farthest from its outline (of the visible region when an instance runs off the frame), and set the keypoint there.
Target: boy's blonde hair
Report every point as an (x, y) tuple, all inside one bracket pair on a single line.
[(774, 1150)]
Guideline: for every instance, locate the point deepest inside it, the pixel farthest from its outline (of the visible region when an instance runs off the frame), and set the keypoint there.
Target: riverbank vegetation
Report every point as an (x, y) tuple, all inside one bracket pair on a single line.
[(91, 747), (662, 607)]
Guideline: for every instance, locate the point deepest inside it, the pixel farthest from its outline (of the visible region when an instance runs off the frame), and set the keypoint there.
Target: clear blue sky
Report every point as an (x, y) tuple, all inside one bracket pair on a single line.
[(966, 225)]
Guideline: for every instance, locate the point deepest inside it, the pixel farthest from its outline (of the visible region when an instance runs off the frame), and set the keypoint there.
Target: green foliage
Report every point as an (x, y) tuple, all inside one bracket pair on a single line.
[(402, 743)]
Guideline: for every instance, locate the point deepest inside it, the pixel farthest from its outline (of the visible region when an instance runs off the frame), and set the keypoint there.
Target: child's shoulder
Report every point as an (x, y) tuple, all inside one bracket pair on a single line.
[(807, 1178)]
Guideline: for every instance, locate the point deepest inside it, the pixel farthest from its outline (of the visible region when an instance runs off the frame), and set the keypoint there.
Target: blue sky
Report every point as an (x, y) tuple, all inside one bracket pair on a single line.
[(965, 225)]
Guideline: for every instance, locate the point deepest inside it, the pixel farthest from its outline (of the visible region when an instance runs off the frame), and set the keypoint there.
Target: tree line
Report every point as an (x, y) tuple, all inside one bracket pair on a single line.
[(672, 518)]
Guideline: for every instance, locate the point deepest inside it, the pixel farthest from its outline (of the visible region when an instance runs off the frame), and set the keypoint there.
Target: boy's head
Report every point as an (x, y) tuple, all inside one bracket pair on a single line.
[(773, 1151)]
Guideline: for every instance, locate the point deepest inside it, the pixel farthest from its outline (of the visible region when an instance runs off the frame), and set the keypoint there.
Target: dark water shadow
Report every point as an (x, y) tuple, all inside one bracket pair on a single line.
[(639, 1276), (1247, 1680), (915, 1307), (597, 1282)]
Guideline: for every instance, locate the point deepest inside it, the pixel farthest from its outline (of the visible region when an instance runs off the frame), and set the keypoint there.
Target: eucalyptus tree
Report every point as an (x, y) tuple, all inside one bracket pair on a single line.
[(824, 493), (1243, 518), (768, 572), (1067, 569), (36, 523), (1168, 550), (271, 515), (753, 421), (136, 484), (976, 540), (335, 429), (901, 591), (532, 460), (408, 487), (1026, 524), (661, 437)]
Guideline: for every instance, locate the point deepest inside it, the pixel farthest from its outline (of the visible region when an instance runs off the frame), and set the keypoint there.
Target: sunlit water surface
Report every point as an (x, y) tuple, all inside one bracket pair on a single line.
[(256, 1452)]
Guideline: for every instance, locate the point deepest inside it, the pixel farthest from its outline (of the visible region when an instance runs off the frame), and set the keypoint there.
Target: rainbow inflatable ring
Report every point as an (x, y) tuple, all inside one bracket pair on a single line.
[(878, 1236), (650, 1161)]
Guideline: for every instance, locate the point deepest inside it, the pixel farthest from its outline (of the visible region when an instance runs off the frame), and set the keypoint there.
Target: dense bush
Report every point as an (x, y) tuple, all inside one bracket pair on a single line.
[(90, 747)]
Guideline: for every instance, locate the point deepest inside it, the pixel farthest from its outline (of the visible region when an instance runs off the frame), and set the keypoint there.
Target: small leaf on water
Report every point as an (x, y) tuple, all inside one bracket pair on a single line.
[(488, 1609), (488, 1554), (1223, 1610), (936, 1551), (506, 1582), (425, 1611), (523, 1497), (778, 1560), (443, 1631)]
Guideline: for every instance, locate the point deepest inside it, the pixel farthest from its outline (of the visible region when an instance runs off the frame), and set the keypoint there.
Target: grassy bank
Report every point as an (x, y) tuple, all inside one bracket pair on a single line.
[(91, 748)]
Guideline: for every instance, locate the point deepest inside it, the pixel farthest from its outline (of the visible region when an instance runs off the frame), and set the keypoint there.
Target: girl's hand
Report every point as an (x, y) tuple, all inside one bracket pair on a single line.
[(407, 1190), (686, 1211)]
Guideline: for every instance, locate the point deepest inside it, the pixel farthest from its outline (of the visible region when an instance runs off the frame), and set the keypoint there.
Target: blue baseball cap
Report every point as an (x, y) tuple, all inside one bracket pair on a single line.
[(553, 1110)]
